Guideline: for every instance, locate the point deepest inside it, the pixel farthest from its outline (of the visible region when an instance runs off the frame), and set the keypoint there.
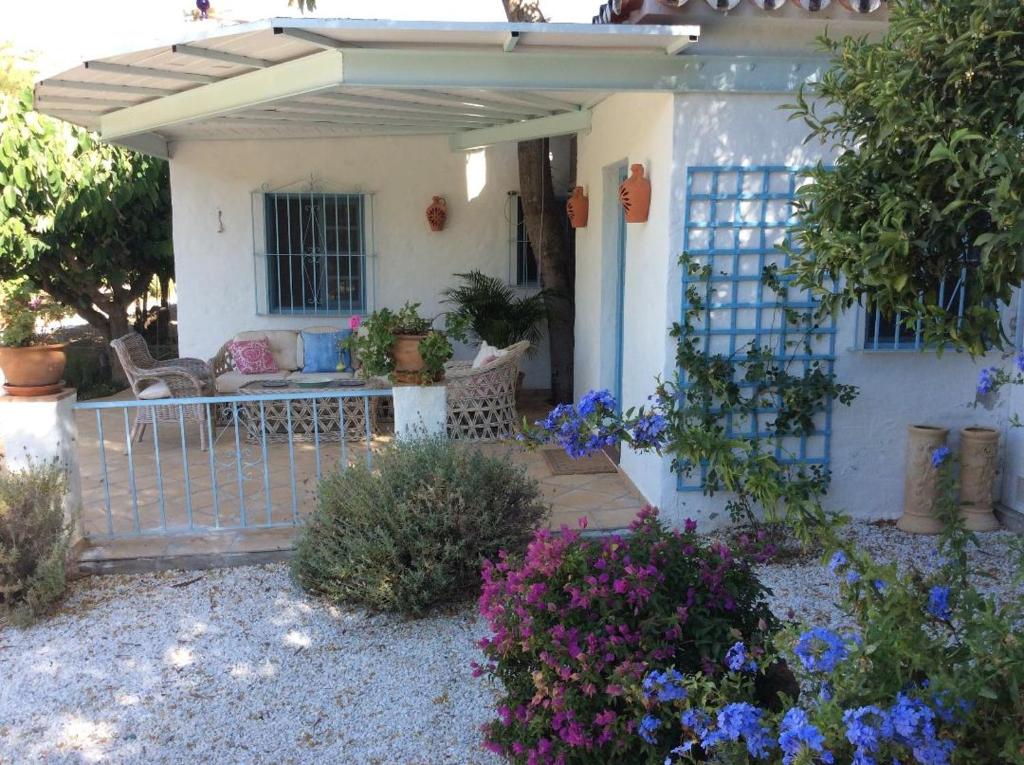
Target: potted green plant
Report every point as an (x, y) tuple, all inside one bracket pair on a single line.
[(400, 344), (488, 309), (31, 367)]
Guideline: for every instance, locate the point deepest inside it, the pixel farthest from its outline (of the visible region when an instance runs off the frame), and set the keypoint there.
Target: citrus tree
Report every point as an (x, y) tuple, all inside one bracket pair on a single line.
[(926, 190)]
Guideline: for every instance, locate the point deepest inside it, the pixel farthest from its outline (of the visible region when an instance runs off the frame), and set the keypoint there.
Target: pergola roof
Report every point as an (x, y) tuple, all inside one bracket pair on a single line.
[(480, 83)]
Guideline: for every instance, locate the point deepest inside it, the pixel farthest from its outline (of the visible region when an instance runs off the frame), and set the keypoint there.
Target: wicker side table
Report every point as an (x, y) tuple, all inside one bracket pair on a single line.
[(310, 418)]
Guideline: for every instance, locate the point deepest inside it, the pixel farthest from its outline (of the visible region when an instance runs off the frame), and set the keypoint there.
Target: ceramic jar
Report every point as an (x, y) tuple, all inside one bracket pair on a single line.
[(920, 487), (578, 208), (437, 214), (979, 449), (635, 195)]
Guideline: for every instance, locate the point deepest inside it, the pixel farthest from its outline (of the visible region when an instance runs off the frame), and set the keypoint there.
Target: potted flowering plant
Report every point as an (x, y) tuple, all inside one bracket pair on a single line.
[(400, 344), (31, 367)]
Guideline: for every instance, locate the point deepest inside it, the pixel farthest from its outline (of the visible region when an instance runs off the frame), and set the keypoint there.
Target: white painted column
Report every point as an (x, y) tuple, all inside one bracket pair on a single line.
[(420, 410), (40, 430)]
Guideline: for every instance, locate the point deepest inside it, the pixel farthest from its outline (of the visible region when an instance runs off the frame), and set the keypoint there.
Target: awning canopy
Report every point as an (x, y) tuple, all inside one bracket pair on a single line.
[(480, 83)]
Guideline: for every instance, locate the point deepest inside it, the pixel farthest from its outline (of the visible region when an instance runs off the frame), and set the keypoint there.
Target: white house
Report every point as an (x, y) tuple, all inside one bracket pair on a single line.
[(268, 125)]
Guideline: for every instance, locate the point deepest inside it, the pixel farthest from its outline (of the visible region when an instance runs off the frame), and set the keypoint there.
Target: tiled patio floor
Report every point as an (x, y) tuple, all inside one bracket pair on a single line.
[(207, 495)]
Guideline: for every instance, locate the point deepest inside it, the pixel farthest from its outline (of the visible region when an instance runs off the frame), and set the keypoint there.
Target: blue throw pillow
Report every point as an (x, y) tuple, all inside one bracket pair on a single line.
[(321, 353)]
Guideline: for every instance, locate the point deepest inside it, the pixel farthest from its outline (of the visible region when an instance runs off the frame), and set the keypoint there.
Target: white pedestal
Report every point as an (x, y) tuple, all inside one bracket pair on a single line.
[(41, 430), (420, 410)]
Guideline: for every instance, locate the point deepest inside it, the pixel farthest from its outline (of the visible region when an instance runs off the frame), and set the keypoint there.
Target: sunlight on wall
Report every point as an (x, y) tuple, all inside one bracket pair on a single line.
[(476, 173)]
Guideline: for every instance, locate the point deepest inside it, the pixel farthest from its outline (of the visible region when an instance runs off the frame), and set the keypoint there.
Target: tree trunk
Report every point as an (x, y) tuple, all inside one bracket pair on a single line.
[(545, 228), (118, 325)]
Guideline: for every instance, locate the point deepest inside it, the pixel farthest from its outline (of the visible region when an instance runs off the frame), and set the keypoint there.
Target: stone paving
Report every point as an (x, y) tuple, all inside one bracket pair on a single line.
[(218, 490)]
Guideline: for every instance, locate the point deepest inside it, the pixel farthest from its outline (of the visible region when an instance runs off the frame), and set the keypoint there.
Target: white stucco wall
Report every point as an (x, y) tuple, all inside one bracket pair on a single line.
[(897, 389), (214, 269)]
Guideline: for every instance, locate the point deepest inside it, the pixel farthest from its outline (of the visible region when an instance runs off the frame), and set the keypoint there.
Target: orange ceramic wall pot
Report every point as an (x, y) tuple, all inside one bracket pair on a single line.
[(437, 214), (578, 208), (635, 195)]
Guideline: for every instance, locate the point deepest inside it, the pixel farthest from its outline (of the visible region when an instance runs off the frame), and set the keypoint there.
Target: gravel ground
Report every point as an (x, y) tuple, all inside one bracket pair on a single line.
[(238, 666)]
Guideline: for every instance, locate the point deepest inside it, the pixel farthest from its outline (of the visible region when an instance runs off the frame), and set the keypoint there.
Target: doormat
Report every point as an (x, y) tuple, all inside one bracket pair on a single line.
[(562, 464)]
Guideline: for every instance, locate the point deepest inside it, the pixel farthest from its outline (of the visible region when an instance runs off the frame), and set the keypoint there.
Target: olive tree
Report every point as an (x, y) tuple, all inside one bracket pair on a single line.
[(87, 222), (928, 180)]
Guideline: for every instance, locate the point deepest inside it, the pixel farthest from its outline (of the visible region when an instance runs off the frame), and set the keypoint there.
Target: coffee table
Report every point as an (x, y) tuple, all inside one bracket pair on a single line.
[(323, 419)]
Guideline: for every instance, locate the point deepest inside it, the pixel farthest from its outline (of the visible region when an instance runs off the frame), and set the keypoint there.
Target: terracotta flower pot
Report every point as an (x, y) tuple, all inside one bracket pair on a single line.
[(578, 208), (979, 448), (920, 487), (437, 214), (409, 364), (635, 195), (36, 370)]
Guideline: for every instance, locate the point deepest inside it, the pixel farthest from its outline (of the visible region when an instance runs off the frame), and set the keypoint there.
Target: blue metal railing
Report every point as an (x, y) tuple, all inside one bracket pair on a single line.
[(218, 462)]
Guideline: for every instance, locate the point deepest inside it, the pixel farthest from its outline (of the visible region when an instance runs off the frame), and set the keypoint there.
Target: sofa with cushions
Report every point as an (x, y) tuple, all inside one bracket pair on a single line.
[(278, 354)]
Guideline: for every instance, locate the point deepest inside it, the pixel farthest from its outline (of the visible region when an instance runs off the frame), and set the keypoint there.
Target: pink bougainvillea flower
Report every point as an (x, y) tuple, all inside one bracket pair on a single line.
[(355, 322)]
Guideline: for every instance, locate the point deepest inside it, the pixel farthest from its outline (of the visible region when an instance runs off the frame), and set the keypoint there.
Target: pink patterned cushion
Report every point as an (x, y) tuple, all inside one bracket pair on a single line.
[(252, 357)]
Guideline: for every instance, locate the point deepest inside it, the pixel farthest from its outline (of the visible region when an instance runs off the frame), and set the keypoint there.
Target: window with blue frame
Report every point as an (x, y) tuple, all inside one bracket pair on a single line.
[(737, 221), (316, 253), (883, 333), (524, 261)]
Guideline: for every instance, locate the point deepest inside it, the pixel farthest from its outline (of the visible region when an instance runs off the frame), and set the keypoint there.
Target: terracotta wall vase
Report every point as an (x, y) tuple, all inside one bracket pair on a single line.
[(437, 214), (36, 370), (920, 487), (979, 449), (578, 208), (635, 195)]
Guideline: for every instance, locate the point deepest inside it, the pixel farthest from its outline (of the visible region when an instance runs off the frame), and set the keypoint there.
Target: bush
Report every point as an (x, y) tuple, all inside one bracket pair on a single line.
[(34, 538), (411, 534), (930, 672), (579, 622)]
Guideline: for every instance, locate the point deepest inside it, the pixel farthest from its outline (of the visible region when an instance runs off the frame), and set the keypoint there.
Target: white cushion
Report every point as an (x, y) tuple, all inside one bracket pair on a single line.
[(154, 391), (283, 346), (230, 382), (487, 354)]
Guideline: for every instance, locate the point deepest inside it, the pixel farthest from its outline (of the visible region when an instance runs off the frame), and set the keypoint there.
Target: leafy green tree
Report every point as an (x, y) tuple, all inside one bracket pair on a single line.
[(87, 222), (928, 124)]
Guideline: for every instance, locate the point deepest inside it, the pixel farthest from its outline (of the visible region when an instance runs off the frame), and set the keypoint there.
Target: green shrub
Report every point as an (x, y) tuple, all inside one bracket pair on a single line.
[(34, 538), (411, 534)]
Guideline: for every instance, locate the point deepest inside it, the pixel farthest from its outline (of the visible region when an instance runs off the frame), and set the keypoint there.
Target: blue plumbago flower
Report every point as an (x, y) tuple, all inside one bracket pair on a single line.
[(880, 586), (939, 455), (986, 380), (797, 735), (736, 659), (741, 721), (820, 649), (647, 727), (838, 561), (938, 602), (852, 577), (825, 691), (696, 720), (597, 399), (664, 686), (864, 731), (1018, 360), (911, 722), (649, 431)]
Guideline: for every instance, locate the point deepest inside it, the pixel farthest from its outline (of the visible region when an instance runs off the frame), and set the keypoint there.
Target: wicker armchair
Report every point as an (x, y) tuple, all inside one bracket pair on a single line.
[(183, 378), (482, 402)]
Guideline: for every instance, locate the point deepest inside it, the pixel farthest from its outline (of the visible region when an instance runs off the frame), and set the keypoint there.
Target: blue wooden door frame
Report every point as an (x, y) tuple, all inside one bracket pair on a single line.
[(620, 292)]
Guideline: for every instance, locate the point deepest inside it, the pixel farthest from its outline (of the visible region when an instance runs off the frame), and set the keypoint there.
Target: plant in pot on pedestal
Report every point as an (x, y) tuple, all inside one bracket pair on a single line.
[(402, 345), (31, 367)]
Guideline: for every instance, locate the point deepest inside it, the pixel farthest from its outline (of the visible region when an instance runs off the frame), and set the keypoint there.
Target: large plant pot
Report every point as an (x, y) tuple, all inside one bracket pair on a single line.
[(979, 449), (920, 487), (409, 363), (33, 371)]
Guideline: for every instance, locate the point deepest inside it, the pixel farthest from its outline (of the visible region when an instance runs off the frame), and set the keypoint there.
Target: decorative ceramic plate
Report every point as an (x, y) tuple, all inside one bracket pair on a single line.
[(274, 384), (317, 383)]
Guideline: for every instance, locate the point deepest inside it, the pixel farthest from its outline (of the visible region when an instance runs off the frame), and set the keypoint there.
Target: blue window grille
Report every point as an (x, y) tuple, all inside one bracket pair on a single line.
[(316, 247), (523, 267), (896, 334), (737, 219)]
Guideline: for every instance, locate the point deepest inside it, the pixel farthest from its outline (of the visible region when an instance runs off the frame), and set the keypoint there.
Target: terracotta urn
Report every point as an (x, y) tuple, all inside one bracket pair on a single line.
[(35, 370), (920, 486), (437, 214), (979, 449), (578, 208), (635, 195)]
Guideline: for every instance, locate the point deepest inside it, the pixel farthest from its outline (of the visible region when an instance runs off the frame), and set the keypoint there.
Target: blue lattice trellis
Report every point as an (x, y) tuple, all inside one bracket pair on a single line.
[(736, 220)]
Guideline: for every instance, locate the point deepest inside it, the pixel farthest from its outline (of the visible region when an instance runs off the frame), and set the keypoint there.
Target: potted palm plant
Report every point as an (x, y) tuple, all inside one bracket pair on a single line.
[(31, 367), (487, 309)]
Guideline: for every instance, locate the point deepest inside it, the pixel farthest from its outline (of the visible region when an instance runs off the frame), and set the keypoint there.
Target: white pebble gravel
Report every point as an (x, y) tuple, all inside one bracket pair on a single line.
[(238, 666)]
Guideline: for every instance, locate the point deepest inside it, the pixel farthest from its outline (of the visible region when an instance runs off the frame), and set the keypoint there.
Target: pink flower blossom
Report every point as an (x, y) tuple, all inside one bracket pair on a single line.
[(355, 322)]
